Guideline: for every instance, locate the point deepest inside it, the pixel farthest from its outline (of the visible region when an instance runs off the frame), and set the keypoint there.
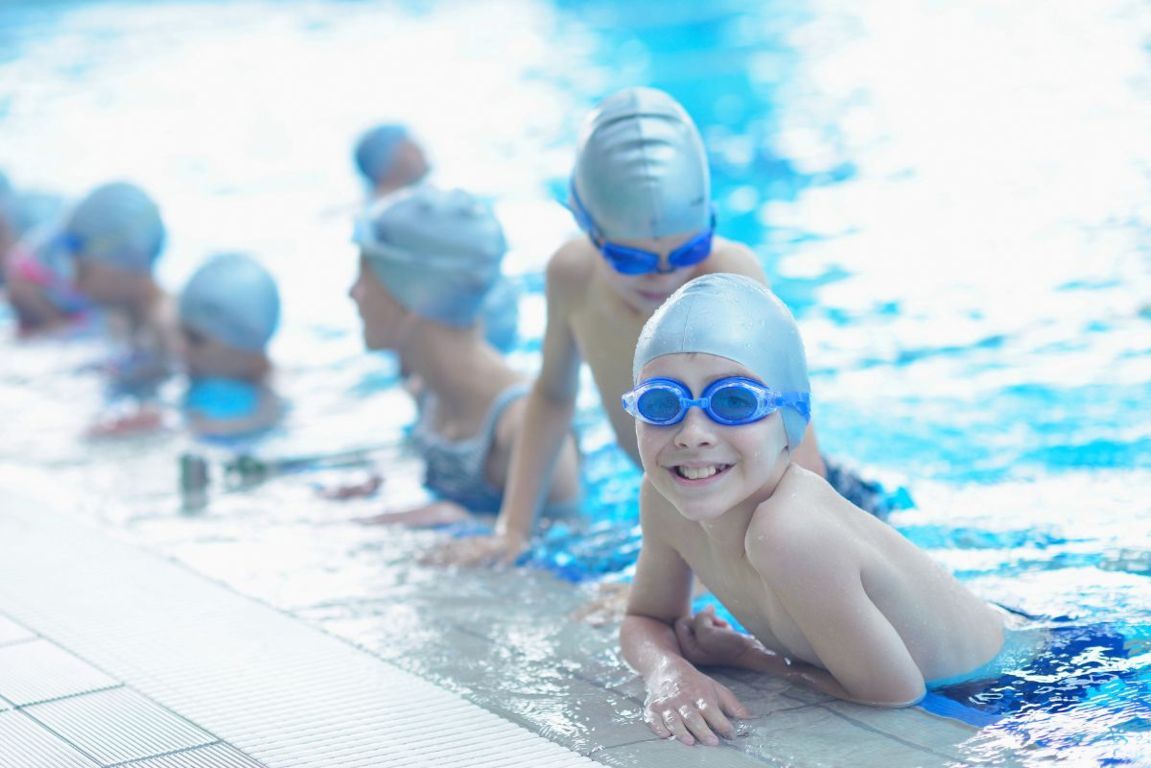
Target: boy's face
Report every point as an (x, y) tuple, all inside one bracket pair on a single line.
[(644, 293), (703, 468), (409, 166), (205, 357), (383, 317), (111, 286)]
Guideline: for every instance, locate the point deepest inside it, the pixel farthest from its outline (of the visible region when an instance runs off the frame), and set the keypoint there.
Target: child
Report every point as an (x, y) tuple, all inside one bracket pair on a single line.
[(101, 255), (389, 159), (228, 312), (428, 260), (641, 193), (833, 597)]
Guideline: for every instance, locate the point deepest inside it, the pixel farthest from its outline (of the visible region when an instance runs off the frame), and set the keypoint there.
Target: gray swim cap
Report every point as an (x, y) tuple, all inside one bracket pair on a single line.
[(735, 317), (119, 225), (438, 252), (641, 169), (376, 150), (234, 300)]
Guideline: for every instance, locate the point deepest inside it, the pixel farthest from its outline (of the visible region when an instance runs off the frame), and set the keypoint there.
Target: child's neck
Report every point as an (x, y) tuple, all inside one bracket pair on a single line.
[(453, 364)]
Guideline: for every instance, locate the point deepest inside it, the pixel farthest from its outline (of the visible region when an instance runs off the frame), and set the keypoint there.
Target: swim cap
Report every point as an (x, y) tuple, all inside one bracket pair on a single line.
[(376, 150), (641, 169), (438, 252), (234, 300), (119, 225), (735, 317)]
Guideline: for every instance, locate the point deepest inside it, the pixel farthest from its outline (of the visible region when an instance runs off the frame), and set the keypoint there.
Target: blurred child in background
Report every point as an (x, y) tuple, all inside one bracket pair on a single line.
[(428, 259), (389, 158), (228, 312)]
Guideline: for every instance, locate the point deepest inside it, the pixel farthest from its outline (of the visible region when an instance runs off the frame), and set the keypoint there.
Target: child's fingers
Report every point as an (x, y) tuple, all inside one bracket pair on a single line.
[(675, 726), (697, 724), (655, 721), (715, 718), (730, 704)]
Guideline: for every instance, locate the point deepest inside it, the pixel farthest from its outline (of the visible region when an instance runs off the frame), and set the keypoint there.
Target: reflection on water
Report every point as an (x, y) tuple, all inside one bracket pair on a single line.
[(954, 199)]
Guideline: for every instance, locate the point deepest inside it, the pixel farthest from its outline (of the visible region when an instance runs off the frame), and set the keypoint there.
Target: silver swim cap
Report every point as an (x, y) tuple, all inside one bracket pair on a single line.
[(234, 300), (641, 169), (735, 317), (119, 225), (438, 252)]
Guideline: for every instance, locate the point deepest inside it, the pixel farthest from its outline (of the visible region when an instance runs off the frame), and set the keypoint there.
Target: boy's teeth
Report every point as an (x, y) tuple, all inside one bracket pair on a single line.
[(697, 473)]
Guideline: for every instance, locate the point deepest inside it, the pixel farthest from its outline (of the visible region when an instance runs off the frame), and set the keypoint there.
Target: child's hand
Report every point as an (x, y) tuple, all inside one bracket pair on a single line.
[(144, 419), (364, 488), (687, 705), (426, 516), (707, 640), (499, 549)]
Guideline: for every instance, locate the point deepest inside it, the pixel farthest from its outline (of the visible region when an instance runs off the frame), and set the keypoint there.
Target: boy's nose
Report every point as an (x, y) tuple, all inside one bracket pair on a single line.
[(695, 430)]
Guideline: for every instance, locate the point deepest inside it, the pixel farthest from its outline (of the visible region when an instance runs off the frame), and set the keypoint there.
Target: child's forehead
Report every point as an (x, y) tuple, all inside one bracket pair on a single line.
[(695, 366)]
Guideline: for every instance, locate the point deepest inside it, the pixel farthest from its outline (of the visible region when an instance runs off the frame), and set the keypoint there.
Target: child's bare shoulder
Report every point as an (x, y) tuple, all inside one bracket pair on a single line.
[(795, 522), (736, 258), (569, 273)]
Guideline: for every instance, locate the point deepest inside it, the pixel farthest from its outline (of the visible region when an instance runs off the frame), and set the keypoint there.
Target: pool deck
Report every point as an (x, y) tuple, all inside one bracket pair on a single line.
[(112, 653)]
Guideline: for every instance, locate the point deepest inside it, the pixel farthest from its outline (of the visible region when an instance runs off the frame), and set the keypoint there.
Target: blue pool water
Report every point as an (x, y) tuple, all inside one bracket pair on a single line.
[(954, 200)]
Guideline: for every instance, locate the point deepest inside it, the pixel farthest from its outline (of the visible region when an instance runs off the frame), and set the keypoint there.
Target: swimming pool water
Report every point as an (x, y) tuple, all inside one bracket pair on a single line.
[(953, 199)]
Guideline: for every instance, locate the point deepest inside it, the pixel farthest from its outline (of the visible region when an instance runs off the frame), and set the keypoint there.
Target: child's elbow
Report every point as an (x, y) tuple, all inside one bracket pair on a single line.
[(892, 694)]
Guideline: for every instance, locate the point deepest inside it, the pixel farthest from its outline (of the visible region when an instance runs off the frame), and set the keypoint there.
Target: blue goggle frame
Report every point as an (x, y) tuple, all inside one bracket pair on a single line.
[(732, 401), (637, 261)]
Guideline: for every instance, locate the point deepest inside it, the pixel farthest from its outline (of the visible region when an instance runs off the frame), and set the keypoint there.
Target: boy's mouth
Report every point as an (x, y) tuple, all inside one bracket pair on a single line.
[(698, 474), (655, 297)]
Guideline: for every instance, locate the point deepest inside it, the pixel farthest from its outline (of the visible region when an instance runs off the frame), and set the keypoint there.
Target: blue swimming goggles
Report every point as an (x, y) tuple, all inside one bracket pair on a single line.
[(636, 261), (731, 401)]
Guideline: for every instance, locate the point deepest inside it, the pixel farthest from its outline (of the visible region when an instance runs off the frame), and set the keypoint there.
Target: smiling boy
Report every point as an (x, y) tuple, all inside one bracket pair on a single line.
[(832, 596)]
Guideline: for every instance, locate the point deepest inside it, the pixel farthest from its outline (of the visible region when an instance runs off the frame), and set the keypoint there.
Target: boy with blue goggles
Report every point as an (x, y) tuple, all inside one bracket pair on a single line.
[(835, 600), (732, 401)]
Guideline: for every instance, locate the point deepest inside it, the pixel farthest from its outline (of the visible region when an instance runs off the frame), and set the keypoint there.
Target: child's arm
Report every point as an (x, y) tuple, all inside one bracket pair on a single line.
[(707, 640), (815, 571), (546, 425), (682, 702)]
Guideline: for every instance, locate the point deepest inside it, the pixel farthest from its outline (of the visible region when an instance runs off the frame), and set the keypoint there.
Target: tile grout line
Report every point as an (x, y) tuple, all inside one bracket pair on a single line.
[(21, 641), (181, 750), (67, 696)]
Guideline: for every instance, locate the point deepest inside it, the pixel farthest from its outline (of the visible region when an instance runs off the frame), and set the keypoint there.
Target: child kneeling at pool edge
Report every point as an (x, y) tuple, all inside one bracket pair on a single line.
[(833, 597)]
